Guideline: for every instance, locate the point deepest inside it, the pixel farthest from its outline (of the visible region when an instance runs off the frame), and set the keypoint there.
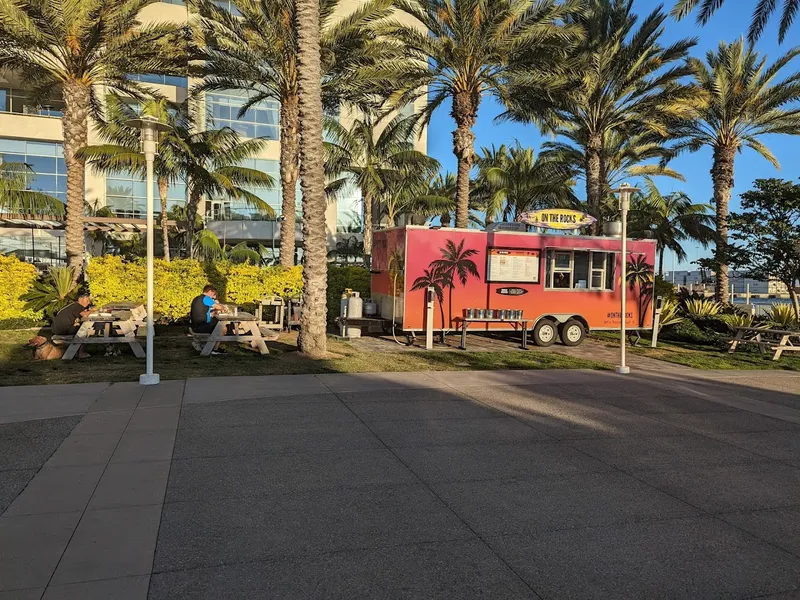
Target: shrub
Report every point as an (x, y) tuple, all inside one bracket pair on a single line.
[(111, 279), (687, 331), (53, 292), (711, 324), (18, 278), (782, 316), (669, 314), (339, 279), (701, 307), (738, 320)]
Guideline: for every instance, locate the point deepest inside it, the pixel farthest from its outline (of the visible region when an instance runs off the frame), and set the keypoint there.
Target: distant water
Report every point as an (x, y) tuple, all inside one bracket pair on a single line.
[(764, 301)]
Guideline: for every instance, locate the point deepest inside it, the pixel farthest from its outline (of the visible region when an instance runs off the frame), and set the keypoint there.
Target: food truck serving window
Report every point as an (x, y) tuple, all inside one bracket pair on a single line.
[(579, 270)]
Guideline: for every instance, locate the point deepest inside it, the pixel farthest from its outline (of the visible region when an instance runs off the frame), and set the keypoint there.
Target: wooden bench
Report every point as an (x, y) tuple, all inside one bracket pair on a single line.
[(199, 340), (767, 340), (61, 340)]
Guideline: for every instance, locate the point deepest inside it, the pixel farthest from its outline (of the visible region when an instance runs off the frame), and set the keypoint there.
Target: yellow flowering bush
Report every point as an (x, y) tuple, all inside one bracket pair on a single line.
[(17, 278), (111, 279)]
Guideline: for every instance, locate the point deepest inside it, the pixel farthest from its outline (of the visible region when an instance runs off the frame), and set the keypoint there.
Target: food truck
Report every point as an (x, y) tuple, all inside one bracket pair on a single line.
[(564, 284)]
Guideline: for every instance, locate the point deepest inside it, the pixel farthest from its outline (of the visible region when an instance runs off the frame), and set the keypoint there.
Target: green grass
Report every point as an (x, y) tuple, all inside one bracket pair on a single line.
[(706, 357), (176, 359)]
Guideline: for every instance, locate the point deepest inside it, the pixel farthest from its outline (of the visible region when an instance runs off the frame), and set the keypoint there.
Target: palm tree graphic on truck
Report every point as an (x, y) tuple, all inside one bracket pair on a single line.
[(442, 274)]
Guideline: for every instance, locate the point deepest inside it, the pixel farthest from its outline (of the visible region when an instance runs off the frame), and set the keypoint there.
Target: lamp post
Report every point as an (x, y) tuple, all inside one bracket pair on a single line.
[(150, 127), (625, 192)]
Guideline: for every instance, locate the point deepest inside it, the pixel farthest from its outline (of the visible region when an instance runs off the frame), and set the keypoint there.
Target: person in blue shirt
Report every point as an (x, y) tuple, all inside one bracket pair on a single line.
[(204, 310)]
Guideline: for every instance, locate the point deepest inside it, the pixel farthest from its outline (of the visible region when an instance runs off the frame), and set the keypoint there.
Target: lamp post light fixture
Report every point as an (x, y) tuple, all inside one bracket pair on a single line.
[(150, 128), (625, 192)]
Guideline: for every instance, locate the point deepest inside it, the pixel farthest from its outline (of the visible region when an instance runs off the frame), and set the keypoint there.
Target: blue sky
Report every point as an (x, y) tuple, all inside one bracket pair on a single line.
[(730, 22)]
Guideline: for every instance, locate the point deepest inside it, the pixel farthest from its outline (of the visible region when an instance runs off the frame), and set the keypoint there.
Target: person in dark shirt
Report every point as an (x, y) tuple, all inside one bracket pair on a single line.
[(65, 321), (204, 309)]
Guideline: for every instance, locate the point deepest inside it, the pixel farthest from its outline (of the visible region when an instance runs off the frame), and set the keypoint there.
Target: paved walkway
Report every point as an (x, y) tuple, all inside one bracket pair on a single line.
[(516, 484)]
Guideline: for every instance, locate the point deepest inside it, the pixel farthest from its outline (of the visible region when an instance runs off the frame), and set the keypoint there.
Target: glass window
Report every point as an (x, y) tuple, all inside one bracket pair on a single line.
[(222, 110), (17, 101), (580, 270), (127, 195), (49, 174), (229, 6), (224, 208), (42, 164), (181, 82), (563, 260)]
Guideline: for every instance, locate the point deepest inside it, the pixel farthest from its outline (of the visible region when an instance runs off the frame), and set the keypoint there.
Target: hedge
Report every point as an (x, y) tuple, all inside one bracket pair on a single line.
[(17, 278), (111, 279)]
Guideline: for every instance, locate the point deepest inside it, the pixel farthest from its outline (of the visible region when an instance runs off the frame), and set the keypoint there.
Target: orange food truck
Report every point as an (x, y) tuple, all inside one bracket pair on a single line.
[(564, 285)]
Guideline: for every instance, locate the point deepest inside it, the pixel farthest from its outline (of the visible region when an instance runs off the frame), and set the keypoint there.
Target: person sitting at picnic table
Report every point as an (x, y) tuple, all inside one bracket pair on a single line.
[(67, 320), (204, 310)]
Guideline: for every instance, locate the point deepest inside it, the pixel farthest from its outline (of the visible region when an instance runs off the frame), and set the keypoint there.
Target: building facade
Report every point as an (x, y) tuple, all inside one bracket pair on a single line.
[(33, 135)]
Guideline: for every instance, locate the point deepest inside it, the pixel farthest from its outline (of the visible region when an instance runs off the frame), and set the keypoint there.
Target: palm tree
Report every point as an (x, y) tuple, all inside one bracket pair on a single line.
[(623, 157), (437, 279), (455, 264), (312, 340), (742, 101), (670, 220), (441, 190), (372, 161), (256, 49), (468, 48), (121, 150), (210, 163), (513, 180), (17, 198), (80, 47), (761, 15), (620, 80), (209, 248)]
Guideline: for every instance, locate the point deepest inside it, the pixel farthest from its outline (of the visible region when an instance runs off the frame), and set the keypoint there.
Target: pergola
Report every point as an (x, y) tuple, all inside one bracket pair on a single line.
[(105, 224)]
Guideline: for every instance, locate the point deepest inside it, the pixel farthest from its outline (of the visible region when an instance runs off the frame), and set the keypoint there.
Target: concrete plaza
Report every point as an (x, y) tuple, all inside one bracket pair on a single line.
[(501, 484)]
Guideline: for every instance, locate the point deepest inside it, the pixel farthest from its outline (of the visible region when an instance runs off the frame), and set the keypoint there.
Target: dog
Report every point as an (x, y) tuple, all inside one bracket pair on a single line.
[(44, 349)]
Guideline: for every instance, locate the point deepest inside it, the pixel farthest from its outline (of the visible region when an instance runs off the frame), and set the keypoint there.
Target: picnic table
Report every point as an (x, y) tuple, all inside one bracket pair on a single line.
[(245, 329), (110, 325), (767, 340)]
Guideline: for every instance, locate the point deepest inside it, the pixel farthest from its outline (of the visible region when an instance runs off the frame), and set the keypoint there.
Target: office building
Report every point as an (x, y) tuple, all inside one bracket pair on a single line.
[(33, 134)]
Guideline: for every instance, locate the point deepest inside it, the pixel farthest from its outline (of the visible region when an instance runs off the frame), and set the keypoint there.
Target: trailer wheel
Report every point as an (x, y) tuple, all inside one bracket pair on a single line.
[(545, 333), (572, 333)]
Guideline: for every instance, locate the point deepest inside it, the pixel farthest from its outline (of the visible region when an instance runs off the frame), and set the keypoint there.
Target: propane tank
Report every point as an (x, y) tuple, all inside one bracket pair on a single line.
[(351, 307), (370, 308)]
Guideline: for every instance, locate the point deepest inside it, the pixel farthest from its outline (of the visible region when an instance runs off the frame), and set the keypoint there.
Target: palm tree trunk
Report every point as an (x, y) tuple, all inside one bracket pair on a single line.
[(661, 262), (76, 134), (594, 182), (465, 113), (312, 339), (163, 188), (368, 226), (722, 176), (290, 173), (191, 218), (795, 302)]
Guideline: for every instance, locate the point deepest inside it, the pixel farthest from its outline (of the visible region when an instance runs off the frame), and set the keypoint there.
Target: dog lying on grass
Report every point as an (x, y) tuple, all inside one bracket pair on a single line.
[(44, 349)]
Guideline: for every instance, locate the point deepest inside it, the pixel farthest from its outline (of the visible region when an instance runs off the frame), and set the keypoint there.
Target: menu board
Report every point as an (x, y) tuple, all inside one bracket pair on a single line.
[(513, 266)]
